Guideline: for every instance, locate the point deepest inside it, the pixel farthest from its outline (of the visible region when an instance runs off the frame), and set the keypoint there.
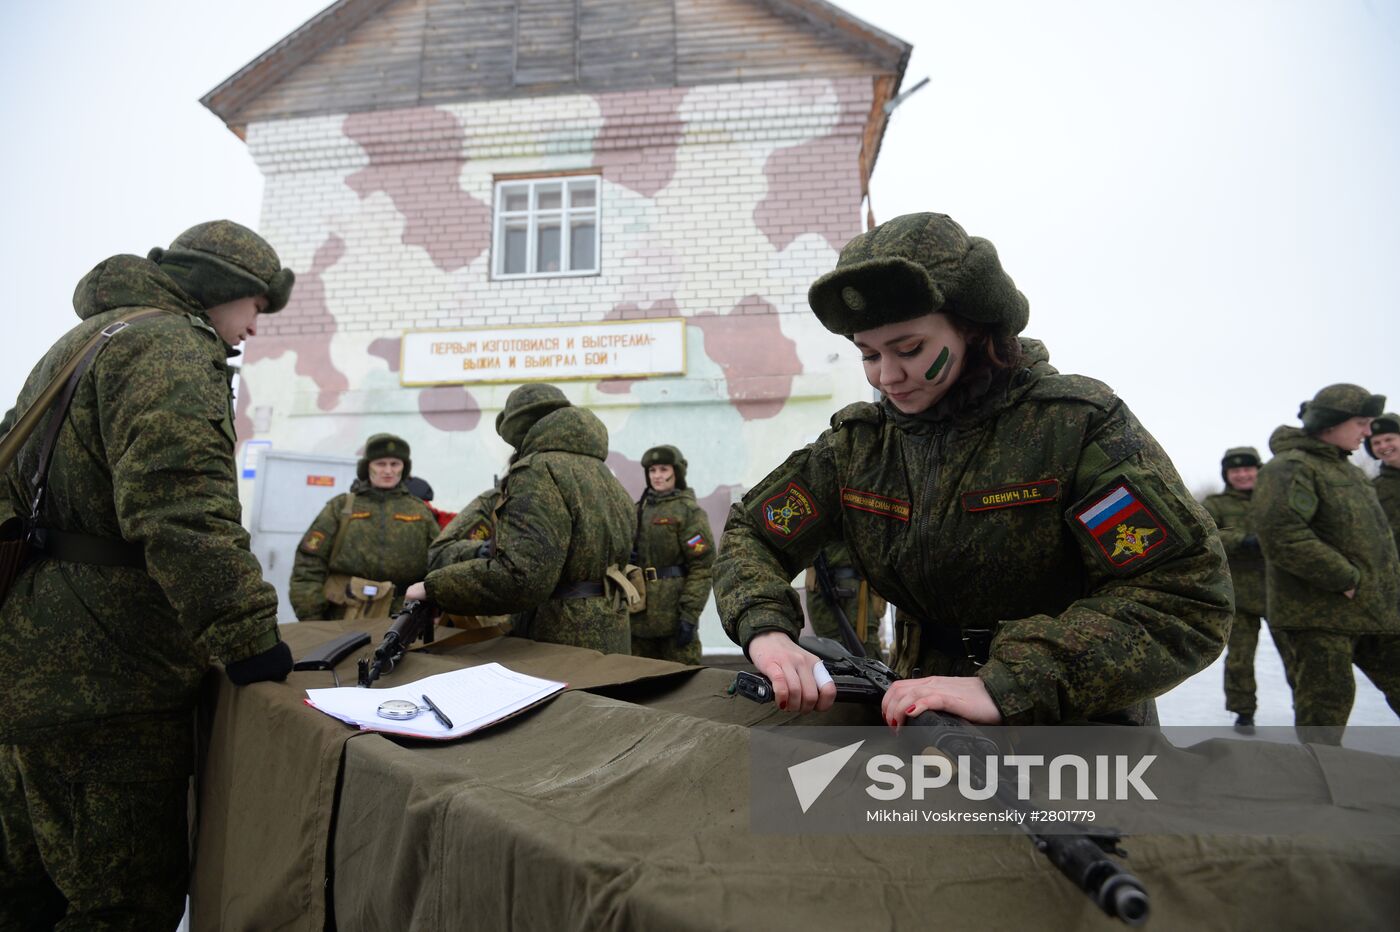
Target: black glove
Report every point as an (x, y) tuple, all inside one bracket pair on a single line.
[(685, 633), (272, 664), (1250, 544)]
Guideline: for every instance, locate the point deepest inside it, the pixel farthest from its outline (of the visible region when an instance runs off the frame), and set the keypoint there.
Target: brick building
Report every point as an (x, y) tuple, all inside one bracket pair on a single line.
[(452, 178)]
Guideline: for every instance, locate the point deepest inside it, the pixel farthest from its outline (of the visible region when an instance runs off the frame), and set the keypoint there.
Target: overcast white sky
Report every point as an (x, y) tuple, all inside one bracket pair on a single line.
[(1199, 198)]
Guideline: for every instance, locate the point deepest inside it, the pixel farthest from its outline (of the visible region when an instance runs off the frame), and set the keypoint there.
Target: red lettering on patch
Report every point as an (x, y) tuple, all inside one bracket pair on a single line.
[(875, 504)]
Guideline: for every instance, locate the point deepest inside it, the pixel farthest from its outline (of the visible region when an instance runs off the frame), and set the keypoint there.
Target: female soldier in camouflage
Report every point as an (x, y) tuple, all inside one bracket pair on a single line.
[(676, 550), (1384, 445), (1053, 565), (375, 534)]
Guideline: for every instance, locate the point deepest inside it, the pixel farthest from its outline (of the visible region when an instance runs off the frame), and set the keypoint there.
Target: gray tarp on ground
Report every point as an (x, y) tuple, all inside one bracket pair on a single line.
[(630, 811)]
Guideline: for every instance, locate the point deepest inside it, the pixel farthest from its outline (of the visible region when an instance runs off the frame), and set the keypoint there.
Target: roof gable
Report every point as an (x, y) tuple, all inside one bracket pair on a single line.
[(359, 55)]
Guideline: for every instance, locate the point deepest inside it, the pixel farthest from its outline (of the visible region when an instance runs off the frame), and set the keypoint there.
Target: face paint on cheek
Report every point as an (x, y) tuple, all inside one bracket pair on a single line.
[(938, 365)]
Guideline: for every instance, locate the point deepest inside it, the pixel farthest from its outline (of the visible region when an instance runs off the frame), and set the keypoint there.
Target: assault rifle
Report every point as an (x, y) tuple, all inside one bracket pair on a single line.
[(413, 623), (1082, 857), (826, 583)]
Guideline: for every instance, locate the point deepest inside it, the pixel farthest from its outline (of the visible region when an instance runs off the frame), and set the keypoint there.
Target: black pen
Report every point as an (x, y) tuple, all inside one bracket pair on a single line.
[(446, 722)]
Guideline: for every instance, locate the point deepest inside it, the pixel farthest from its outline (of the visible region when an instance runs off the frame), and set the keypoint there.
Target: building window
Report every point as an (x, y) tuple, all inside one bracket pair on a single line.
[(546, 227)]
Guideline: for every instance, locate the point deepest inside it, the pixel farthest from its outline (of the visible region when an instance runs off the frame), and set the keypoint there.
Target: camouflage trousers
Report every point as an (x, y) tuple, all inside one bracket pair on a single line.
[(81, 849), (1239, 664), (1319, 667), (664, 648)]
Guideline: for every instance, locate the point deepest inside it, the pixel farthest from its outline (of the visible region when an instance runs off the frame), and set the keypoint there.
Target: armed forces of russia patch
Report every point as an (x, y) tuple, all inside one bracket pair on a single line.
[(786, 515), (311, 543), (1121, 529), (481, 530), (697, 544)]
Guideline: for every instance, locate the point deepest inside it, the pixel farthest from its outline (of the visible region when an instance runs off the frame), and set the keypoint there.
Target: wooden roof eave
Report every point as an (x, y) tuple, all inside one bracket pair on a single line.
[(228, 99)]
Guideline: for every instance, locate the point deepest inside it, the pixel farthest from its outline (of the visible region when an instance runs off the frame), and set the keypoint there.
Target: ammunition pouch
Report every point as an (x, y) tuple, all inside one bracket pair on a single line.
[(621, 583), (359, 597)]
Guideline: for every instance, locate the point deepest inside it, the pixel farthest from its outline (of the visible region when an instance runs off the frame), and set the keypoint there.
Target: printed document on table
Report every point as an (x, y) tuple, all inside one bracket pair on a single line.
[(471, 699)]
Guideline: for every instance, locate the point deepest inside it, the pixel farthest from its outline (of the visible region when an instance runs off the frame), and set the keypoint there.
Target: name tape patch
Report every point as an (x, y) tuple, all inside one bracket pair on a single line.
[(875, 504), (399, 517), (1012, 496), (1123, 527)]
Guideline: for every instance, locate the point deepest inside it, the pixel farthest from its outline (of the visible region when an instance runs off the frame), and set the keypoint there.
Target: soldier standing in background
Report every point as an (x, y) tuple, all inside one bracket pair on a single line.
[(675, 549), (143, 576), (563, 532), (862, 607), (1232, 511), (367, 545), (1384, 445), (1333, 576), (1051, 563)]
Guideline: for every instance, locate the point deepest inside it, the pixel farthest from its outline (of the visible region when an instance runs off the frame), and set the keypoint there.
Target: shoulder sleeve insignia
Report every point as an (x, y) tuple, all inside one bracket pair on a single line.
[(399, 517), (1121, 529), (1302, 499), (481, 530), (697, 544), (875, 504), (1012, 496), (789, 513), (311, 543)]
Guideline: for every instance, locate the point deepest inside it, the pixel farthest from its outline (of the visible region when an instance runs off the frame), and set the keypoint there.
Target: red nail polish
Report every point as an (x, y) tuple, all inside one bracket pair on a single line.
[(783, 706), (909, 711)]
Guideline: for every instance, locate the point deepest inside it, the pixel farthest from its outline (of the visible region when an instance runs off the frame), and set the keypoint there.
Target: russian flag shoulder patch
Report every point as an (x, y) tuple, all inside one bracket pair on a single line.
[(1119, 528)]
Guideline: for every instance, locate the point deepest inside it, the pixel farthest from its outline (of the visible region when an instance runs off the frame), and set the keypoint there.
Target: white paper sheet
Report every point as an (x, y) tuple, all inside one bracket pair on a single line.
[(471, 698)]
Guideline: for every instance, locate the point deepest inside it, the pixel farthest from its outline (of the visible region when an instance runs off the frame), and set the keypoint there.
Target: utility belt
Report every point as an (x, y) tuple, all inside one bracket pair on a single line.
[(653, 573), (967, 647), (72, 547), (587, 589)]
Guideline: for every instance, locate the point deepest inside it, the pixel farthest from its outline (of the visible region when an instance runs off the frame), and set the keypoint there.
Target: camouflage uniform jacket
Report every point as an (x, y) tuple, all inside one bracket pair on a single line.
[(672, 530), (1387, 486), (465, 534), (145, 456), (1233, 512), (563, 518), (1323, 532), (1041, 509), (387, 538)]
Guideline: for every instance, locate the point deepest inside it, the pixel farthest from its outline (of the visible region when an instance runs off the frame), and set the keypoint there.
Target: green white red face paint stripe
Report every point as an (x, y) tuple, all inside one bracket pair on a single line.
[(937, 366)]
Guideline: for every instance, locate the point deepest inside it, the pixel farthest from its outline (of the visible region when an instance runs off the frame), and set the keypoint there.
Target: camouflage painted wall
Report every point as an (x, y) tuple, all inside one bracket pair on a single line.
[(719, 204)]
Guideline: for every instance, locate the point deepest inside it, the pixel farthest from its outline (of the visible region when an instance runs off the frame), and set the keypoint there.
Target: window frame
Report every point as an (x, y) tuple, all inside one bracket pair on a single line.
[(532, 214)]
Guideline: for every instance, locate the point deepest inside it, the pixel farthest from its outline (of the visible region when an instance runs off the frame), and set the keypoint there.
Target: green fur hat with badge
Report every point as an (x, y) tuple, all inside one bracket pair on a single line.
[(1337, 403), (914, 265), (222, 261), (384, 446), (665, 455), (1388, 423)]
